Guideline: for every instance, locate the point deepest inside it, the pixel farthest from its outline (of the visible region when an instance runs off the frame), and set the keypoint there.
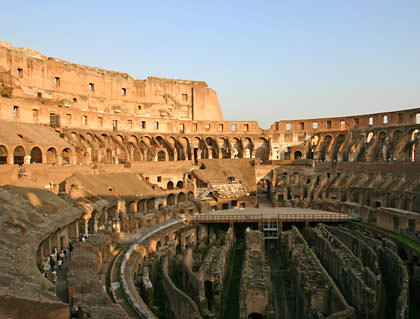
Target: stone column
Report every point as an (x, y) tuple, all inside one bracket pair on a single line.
[(86, 226)]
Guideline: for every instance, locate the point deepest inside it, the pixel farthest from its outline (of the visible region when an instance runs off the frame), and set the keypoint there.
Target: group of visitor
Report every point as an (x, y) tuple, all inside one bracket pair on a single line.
[(54, 262)]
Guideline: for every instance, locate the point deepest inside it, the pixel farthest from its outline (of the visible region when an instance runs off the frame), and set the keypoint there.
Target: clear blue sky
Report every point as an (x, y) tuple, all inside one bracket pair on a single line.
[(267, 60)]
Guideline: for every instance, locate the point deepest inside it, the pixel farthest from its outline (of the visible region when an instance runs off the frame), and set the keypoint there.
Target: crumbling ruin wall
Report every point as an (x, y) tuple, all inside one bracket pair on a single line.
[(358, 283), (180, 305), (359, 248), (212, 268), (311, 290), (255, 285), (394, 269), (215, 268)]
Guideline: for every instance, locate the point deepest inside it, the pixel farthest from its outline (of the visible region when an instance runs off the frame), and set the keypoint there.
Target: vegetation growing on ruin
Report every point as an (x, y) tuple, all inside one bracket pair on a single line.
[(397, 237), (6, 91)]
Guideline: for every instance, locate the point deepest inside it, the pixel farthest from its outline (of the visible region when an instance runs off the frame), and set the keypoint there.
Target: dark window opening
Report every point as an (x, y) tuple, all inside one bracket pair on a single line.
[(39, 95), (123, 91), (91, 87), (16, 112), (20, 73), (143, 124), (328, 124), (56, 81), (159, 179)]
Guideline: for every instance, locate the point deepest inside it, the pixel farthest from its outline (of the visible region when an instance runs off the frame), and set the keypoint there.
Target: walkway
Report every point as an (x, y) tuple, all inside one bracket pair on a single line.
[(281, 214)]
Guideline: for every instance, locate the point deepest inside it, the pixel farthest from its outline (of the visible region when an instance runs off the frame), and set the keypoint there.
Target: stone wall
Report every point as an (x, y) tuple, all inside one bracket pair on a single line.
[(309, 290), (180, 305), (255, 285), (358, 283)]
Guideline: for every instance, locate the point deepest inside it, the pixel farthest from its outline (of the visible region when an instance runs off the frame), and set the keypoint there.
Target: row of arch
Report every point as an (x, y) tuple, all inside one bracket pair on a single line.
[(116, 148), (374, 146), (21, 154)]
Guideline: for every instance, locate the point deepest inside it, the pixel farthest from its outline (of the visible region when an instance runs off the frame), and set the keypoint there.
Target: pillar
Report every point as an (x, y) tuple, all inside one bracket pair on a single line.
[(86, 226)]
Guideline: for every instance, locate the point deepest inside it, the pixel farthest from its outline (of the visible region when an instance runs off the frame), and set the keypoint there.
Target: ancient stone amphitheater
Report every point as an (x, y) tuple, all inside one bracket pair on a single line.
[(128, 198)]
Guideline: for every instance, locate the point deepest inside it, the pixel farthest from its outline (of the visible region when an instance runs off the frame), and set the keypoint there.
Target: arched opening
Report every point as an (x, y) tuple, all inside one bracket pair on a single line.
[(171, 199), (208, 292), (158, 245), (338, 149), (151, 203), (19, 155), (66, 156), (237, 148), (181, 198), (255, 316), (161, 156), (170, 185), (51, 156), (298, 155), (190, 196), (36, 155), (180, 184), (263, 150), (325, 147), (3, 155), (134, 152), (355, 197), (263, 187)]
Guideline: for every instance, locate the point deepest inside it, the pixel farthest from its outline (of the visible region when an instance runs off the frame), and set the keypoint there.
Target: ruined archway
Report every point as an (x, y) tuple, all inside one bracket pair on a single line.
[(181, 198), (161, 156), (3, 155), (36, 155), (66, 156), (52, 156), (19, 155), (171, 199), (263, 150)]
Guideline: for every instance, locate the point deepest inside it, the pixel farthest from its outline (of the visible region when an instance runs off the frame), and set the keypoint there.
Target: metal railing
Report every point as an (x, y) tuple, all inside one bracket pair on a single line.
[(261, 217)]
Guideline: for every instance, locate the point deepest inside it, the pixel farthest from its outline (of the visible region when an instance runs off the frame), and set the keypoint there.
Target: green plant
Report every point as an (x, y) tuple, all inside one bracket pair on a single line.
[(6, 91)]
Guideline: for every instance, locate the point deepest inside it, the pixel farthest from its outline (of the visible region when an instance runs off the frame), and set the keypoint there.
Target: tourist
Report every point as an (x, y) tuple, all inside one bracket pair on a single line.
[(73, 311), (54, 277), (59, 263)]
